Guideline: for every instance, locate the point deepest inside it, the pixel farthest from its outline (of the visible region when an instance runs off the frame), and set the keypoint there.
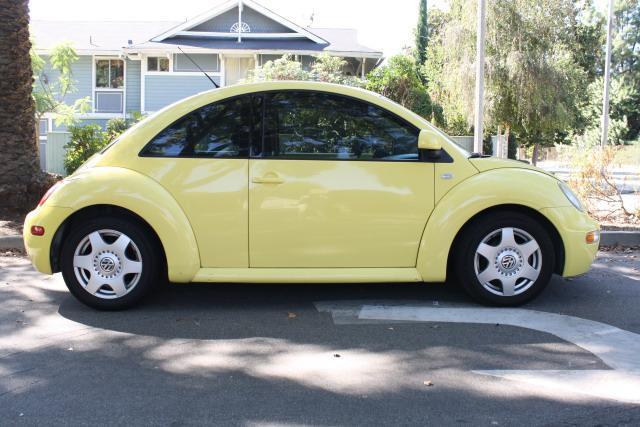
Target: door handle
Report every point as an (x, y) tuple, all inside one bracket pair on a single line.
[(268, 178)]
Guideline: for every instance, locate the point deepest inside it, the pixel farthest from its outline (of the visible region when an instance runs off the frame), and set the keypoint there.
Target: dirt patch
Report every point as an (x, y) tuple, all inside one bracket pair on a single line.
[(10, 222)]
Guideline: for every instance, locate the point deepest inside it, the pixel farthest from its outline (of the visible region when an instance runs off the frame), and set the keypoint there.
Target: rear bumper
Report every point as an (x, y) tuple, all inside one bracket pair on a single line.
[(39, 247), (573, 227)]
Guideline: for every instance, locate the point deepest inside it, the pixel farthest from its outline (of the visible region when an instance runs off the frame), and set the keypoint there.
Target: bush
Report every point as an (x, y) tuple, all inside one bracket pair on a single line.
[(593, 180), (85, 142), (89, 139), (399, 81)]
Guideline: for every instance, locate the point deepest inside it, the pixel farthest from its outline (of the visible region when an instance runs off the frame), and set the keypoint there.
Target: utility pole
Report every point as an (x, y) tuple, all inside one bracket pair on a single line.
[(607, 76), (477, 134)]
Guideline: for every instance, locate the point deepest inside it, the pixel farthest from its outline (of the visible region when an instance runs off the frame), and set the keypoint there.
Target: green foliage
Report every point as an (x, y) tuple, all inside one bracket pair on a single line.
[(533, 82), (89, 139), (400, 81), (421, 33), (85, 142), (621, 101), (626, 62), (49, 92), (325, 68)]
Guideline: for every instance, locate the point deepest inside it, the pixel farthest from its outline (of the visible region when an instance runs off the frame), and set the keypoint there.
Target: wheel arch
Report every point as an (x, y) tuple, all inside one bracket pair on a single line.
[(125, 192), (522, 190), (94, 211), (558, 246)]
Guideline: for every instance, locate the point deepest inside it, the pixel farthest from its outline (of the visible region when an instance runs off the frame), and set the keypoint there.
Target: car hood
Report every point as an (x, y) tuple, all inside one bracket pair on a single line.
[(484, 164)]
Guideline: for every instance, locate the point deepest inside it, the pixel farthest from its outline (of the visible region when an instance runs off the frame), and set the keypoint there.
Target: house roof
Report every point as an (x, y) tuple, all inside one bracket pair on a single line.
[(109, 37), (94, 36), (339, 41)]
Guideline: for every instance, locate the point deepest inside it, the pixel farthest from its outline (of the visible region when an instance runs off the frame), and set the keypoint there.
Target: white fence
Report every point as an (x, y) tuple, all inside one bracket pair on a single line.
[(55, 152)]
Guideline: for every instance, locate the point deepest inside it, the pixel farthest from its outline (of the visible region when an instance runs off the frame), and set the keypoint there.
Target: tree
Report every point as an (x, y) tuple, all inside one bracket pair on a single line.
[(422, 34), (21, 180), (50, 90), (532, 77), (399, 80), (626, 61)]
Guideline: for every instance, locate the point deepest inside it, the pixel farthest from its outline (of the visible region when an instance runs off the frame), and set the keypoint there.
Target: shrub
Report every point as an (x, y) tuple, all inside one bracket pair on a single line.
[(85, 142), (89, 139), (593, 180)]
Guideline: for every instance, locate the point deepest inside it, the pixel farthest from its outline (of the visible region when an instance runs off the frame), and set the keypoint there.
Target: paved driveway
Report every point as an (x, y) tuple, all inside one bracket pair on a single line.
[(322, 354)]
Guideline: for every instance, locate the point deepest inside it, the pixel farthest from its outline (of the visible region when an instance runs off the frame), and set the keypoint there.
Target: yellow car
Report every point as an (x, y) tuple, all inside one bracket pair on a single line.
[(303, 182)]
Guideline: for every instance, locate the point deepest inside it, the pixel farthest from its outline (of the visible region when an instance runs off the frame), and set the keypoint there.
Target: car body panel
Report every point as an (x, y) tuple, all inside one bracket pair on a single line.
[(338, 213), (39, 247), (146, 198), (573, 226), (503, 186), (308, 275), (213, 196)]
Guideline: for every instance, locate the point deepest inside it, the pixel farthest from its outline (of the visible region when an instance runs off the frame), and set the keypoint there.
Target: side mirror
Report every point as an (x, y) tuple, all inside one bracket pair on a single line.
[(429, 140)]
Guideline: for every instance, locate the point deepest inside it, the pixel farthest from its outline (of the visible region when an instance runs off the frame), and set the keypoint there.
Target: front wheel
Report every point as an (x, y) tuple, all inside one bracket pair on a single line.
[(110, 263), (505, 259)]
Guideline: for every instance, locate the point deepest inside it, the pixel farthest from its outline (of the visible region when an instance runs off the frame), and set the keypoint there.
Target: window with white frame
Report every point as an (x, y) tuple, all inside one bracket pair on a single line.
[(109, 73), (157, 63)]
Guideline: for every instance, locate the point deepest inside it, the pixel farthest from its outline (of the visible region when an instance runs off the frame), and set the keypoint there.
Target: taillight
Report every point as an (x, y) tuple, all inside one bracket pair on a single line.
[(49, 192), (37, 230)]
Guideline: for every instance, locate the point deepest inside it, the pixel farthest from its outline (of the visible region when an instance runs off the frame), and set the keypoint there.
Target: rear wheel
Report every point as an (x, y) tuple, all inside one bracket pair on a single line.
[(504, 259), (110, 263)]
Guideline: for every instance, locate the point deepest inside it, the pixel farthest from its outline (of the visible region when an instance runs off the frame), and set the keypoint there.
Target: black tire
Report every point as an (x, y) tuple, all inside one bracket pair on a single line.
[(152, 271), (471, 237)]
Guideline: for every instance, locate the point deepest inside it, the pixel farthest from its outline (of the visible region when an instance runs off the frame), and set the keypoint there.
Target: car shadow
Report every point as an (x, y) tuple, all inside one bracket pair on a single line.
[(205, 310)]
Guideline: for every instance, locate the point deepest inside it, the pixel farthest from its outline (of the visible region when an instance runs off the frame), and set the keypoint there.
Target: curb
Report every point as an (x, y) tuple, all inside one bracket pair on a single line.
[(620, 238), (607, 238), (11, 242)]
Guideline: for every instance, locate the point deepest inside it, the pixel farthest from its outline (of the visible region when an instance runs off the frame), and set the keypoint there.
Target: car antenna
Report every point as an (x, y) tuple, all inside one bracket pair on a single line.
[(196, 64)]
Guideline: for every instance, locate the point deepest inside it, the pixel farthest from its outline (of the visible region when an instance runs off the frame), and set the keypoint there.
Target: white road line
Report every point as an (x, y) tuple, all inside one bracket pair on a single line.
[(617, 348)]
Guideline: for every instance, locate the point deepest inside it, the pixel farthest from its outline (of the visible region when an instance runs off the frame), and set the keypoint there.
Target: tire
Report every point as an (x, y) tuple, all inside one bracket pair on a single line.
[(110, 263), (504, 259)]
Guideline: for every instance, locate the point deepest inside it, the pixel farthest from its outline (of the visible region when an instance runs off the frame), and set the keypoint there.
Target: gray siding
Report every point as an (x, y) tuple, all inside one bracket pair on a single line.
[(208, 62), (133, 86), (81, 70), (257, 22), (161, 90)]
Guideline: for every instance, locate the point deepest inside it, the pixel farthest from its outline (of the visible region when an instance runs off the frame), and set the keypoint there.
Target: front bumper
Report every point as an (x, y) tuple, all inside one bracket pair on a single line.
[(573, 227), (39, 247)]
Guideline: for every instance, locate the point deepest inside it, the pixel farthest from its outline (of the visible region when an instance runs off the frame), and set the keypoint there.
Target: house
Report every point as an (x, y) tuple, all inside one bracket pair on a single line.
[(127, 67)]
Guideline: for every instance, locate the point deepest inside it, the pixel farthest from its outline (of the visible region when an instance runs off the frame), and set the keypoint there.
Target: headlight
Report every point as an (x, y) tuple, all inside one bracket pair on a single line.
[(571, 196)]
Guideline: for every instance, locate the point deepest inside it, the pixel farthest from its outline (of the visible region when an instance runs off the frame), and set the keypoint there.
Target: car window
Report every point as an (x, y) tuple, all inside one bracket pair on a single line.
[(221, 129), (323, 126)]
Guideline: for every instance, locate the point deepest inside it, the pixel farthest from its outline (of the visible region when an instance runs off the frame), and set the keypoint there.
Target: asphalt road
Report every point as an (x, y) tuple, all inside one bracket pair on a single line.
[(262, 355)]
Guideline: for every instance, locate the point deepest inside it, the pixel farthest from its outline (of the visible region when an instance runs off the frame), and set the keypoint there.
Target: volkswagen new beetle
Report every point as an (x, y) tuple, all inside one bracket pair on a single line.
[(303, 182)]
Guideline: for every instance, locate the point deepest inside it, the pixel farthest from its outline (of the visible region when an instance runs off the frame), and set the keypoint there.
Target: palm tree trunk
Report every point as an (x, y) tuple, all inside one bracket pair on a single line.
[(21, 180)]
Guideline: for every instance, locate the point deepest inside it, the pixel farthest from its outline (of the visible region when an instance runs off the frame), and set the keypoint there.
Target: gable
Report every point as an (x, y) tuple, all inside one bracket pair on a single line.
[(257, 22)]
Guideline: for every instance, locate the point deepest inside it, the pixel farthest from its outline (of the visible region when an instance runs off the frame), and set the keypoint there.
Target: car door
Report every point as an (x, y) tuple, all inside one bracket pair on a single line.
[(335, 182), (202, 160)]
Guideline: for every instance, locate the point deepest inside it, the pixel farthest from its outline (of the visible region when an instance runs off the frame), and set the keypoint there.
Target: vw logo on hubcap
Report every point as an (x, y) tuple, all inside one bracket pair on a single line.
[(508, 262), (107, 265)]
